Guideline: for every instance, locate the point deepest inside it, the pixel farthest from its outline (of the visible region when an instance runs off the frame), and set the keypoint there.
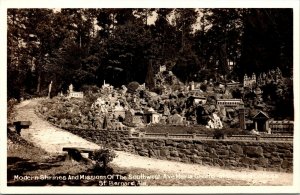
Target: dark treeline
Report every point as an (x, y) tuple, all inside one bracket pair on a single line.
[(87, 46)]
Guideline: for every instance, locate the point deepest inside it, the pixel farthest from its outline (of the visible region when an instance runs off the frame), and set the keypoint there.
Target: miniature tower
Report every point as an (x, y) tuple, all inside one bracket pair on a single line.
[(245, 80), (242, 120), (192, 85)]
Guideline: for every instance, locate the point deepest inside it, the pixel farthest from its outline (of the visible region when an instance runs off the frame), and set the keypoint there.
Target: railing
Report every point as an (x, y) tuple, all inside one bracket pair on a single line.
[(210, 137)]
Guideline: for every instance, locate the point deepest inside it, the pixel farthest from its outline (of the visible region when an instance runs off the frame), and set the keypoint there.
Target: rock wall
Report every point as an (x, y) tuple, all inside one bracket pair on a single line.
[(259, 155)]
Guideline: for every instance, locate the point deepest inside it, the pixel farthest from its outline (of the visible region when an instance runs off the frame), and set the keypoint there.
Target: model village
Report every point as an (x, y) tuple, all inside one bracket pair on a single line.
[(207, 104)]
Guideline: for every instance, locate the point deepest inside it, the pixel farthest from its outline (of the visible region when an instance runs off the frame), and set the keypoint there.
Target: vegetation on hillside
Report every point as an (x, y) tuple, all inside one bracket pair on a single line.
[(66, 46)]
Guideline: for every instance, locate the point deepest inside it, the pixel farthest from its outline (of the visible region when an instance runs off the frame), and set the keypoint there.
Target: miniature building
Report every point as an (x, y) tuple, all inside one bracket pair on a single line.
[(76, 94), (150, 116), (199, 100), (285, 126), (138, 118), (73, 94), (229, 102), (261, 121), (233, 84), (162, 68), (249, 81), (192, 85), (242, 119), (261, 79), (118, 111), (176, 119), (107, 87)]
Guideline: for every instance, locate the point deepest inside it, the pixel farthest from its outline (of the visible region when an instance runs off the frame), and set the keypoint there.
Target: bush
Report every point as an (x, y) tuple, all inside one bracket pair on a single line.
[(203, 87), (10, 109), (103, 157), (90, 99), (133, 86), (86, 89)]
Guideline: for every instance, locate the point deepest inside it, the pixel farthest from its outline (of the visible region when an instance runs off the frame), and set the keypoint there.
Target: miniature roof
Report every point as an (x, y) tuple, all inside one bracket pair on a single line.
[(261, 114), (199, 97)]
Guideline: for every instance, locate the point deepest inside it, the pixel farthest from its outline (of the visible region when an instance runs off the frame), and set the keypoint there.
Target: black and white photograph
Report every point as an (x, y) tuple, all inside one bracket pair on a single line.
[(122, 98)]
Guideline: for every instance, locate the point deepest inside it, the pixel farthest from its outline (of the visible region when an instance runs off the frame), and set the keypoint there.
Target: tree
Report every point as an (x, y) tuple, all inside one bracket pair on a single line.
[(150, 77), (267, 41)]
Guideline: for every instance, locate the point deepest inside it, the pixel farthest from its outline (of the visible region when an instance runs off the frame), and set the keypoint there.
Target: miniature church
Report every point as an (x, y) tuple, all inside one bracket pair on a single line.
[(250, 81)]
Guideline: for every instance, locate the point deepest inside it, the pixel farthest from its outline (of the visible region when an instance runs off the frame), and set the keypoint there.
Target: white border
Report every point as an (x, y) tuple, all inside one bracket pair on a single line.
[(146, 4)]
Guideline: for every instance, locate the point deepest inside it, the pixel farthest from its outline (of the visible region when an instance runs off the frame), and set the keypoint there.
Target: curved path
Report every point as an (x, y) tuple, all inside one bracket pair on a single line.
[(53, 139)]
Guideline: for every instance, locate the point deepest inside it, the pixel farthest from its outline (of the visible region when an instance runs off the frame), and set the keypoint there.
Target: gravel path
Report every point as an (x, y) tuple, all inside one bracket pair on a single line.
[(53, 139)]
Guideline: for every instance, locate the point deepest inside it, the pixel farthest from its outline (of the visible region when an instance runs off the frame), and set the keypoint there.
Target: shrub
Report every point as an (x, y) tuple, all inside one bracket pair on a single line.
[(10, 109), (103, 157), (133, 86), (86, 89), (203, 87), (90, 99)]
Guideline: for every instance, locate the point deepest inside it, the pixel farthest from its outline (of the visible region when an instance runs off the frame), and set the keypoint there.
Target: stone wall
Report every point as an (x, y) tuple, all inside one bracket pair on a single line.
[(259, 155)]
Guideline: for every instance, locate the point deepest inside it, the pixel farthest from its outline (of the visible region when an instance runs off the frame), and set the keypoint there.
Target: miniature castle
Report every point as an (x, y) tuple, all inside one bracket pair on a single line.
[(250, 81)]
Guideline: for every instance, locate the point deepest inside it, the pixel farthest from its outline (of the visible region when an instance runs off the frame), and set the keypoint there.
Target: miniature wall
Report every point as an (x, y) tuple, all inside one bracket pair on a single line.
[(259, 155)]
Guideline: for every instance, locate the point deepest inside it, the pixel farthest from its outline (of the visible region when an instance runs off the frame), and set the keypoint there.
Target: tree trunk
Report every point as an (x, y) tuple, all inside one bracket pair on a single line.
[(38, 89)]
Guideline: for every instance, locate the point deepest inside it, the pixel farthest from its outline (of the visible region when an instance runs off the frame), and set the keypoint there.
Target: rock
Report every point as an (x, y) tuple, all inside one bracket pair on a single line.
[(267, 155), (213, 155), (276, 161), (199, 147), (196, 160), (169, 142), (233, 163), (116, 145), (188, 152), (185, 159), (44, 109), (159, 143), (221, 163), (211, 150), (288, 154), (274, 154), (127, 142), (181, 155), (223, 152), (164, 152), (237, 149), (138, 148), (152, 153), (258, 168), (286, 164), (143, 152), (147, 145), (174, 153), (253, 151), (174, 158), (181, 145), (194, 151), (247, 161), (262, 162)]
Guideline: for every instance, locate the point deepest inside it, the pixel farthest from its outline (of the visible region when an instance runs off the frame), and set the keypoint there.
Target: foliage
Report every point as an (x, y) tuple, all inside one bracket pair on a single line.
[(133, 86), (10, 109), (86, 89), (103, 157), (66, 47)]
